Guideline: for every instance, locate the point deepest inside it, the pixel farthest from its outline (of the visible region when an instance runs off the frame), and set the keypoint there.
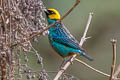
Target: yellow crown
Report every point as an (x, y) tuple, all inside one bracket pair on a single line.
[(54, 14)]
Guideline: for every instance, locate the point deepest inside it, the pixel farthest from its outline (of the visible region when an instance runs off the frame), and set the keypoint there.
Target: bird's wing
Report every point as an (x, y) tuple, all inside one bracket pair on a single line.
[(64, 37), (67, 42)]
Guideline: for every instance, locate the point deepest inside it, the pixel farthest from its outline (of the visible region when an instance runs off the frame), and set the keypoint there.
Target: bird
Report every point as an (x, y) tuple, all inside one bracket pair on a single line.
[(60, 37)]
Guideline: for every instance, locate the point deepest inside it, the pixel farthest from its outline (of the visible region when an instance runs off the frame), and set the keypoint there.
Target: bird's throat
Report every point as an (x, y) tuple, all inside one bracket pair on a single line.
[(51, 21)]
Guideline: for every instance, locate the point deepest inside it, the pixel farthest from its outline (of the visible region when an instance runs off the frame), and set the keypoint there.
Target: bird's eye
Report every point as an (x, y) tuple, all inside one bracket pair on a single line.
[(51, 12)]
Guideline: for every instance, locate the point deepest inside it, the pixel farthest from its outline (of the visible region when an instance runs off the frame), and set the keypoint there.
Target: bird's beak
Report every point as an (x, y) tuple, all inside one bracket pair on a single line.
[(46, 12)]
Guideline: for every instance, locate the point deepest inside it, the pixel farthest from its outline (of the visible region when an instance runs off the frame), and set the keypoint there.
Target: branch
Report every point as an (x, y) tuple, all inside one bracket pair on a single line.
[(3, 51), (60, 72), (114, 77), (46, 28), (113, 41), (92, 68), (83, 39)]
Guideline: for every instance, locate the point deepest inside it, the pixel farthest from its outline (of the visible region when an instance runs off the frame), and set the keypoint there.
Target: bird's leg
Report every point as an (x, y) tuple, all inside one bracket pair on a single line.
[(62, 64), (65, 60), (69, 60)]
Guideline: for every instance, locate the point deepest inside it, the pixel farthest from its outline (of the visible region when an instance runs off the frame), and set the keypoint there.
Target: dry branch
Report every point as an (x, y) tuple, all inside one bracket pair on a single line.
[(113, 41), (60, 72), (92, 68)]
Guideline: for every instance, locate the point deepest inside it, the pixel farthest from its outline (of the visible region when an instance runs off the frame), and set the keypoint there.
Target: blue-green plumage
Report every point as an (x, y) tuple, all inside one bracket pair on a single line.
[(62, 41)]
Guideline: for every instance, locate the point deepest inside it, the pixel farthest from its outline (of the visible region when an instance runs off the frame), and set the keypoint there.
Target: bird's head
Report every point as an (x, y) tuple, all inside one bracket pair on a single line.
[(52, 14)]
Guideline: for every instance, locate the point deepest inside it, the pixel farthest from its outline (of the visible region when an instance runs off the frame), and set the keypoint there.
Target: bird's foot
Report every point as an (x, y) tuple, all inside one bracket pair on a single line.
[(62, 64), (70, 61), (62, 68), (66, 59)]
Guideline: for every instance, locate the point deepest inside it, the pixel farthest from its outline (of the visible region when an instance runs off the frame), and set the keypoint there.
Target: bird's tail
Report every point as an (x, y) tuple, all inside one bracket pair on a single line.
[(88, 57)]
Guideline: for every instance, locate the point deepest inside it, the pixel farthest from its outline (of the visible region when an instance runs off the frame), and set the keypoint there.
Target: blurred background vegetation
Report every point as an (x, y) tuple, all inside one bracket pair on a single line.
[(105, 25)]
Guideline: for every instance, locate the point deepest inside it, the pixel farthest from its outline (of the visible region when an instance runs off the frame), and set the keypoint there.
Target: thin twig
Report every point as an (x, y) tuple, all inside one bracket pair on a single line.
[(86, 30), (92, 68), (113, 41), (3, 60), (46, 28), (71, 9), (60, 72)]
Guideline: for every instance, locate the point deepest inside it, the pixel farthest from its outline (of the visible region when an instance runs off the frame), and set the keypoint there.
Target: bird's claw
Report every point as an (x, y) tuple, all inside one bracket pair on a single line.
[(70, 61), (62, 68)]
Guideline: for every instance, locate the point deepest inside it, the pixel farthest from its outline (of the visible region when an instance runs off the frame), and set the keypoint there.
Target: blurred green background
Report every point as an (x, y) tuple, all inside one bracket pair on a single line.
[(105, 25)]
